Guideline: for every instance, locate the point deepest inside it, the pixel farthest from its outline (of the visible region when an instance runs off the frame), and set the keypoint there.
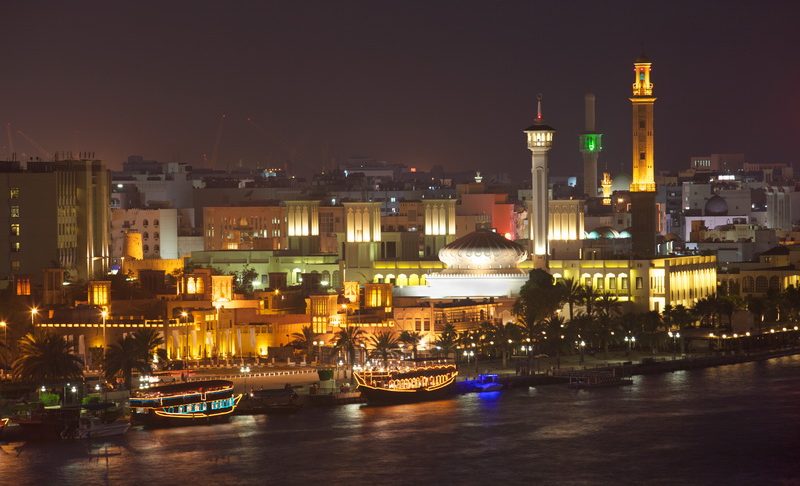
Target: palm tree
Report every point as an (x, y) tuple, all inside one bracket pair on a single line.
[(347, 340), (413, 339), (124, 356), (304, 340), (385, 345), (588, 297), (608, 307), (147, 341), (572, 293), (503, 337), (447, 340), (554, 329), (46, 358)]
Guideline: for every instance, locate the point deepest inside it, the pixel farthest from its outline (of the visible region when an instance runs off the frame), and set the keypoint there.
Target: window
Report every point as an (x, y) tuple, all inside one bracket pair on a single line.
[(15, 265), (15, 229), (155, 222), (146, 235), (15, 246), (642, 156), (145, 223), (639, 283), (612, 283), (623, 283), (15, 211), (13, 193)]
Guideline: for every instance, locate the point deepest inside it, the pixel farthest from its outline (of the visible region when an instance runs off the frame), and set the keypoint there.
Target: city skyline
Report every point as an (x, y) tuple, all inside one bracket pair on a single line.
[(420, 85)]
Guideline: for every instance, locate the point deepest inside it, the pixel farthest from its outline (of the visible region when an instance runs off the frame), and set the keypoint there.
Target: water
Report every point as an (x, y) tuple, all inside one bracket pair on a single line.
[(735, 424)]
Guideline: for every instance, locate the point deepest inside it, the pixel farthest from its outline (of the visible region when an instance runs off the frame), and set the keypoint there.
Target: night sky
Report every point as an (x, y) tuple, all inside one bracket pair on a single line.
[(420, 83)]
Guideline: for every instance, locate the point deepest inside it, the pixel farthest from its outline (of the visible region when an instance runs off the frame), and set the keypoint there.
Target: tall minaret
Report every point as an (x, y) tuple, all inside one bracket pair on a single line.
[(643, 185), (540, 141), (642, 102), (590, 145)]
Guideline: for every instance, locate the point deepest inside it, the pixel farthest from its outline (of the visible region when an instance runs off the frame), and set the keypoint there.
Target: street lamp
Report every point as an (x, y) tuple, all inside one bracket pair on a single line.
[(318, 344), (675, 336), (4, 325), (34, 312), (630, 340), (582, 346), (245, 370)]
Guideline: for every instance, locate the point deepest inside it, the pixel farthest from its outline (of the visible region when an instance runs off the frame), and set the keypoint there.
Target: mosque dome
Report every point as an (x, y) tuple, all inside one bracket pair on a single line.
[(482, 250), (716, 206), (621, 182), (603, 233)]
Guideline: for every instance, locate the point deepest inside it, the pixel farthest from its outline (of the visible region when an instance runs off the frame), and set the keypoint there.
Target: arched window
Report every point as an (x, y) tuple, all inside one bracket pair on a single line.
[(378, 278), (413, 280), (402, 280), (774, 283), (146, 248), (155, 222), (146, 235), (145, 223), (761, 284), (748, 284)]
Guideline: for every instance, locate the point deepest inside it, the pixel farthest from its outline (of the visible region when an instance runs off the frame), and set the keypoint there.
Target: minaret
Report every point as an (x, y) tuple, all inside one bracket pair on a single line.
[(642, 103), (643, 186), (540, 141), (590, 145), (606, 185)]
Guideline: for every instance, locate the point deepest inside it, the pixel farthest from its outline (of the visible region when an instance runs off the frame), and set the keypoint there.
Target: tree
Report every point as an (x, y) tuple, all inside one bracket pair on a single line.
[(554, 328), (123, 357), (347, 340), (243, 280), (706, 310), (413, 339), (502, 336), (304, 341), (46, 358), (651, 323), (757, 306), (385, 344), (608, 307), (133, 352), (678, 316), (588, 297), (539, 298), (147, 340), (447, 340), (572, 293)]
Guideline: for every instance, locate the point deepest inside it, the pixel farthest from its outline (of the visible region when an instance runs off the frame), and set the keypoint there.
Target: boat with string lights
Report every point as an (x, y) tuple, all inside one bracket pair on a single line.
[(197, 402), (409, 382)]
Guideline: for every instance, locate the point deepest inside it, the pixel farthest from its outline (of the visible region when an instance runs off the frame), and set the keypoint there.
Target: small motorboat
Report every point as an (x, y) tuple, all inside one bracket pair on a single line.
[(486, 383), (96, 428)]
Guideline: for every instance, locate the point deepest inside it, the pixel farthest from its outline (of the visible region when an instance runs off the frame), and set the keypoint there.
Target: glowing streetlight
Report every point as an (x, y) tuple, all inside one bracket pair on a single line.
[(4, 325), (34, 313)]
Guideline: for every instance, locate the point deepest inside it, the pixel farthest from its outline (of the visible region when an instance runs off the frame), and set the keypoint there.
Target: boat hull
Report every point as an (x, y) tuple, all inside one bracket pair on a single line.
[(384, 396)]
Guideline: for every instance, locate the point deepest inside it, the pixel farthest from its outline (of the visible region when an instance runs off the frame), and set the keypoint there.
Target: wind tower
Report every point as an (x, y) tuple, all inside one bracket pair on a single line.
[(590, 144), (540, 141), (643, 186)]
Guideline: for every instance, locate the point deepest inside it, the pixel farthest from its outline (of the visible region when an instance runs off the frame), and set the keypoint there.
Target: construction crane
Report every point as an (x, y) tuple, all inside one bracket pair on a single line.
[(47, 155), (11, 154)]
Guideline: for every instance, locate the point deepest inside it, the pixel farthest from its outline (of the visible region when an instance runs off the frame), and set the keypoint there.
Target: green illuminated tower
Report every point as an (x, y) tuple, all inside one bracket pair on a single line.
[(590, 145)]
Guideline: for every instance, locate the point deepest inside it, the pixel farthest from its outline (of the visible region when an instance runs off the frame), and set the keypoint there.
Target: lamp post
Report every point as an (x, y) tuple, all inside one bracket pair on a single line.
[(4, 325), (318, 344), (34, 312), (245, 370), (582, 346), (675, 336)]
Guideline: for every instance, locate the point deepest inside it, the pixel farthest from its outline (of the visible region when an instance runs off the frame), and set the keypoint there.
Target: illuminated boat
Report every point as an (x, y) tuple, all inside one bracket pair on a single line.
[(407, 384), (196, 402), (485, 383)]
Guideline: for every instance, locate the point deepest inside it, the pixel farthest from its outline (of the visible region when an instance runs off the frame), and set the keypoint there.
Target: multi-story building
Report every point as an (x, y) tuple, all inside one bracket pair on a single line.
[(57, 215)]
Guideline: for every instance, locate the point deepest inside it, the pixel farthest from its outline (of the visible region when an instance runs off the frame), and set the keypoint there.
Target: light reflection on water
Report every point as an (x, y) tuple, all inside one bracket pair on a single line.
[(734, 425)]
